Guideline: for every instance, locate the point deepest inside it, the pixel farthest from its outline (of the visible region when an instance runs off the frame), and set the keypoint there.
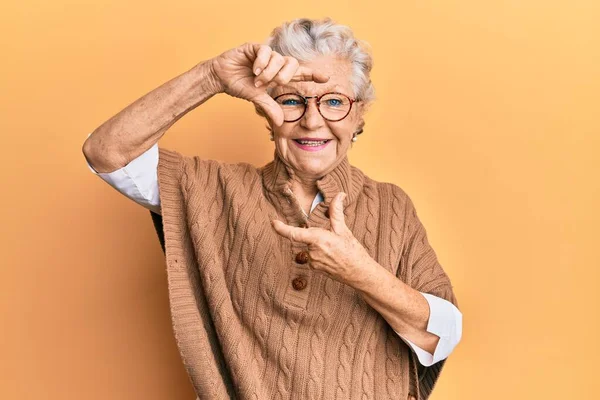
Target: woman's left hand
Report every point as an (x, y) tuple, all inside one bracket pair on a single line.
[(335, 252)]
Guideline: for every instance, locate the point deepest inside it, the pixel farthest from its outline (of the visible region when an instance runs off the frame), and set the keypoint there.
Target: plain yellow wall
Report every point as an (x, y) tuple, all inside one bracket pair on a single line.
[(487, 115)]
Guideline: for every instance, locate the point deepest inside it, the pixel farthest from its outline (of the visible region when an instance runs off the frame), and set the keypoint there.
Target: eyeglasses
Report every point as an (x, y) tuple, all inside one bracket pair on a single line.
[(332, 106)]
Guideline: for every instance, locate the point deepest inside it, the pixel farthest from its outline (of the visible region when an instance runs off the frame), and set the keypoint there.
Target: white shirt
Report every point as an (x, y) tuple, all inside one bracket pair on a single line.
[(138, 181)]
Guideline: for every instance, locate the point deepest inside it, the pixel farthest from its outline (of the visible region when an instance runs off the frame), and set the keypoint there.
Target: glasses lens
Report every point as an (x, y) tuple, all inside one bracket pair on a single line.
[(292, 106), (334, 106)]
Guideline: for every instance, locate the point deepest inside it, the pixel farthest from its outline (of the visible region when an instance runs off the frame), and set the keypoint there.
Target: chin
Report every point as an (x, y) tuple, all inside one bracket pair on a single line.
[(317, 168)]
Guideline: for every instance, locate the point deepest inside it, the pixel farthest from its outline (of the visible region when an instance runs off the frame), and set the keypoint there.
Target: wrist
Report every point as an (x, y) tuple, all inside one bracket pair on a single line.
[(212, 78), (365, 275), (206, 78)]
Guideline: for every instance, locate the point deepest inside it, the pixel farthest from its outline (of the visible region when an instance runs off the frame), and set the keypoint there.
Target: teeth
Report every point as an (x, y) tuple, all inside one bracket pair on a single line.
[(312, 142)]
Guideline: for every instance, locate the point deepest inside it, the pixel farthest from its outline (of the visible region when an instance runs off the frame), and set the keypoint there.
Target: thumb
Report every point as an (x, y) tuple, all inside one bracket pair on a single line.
[(270, 108), (336, 213)]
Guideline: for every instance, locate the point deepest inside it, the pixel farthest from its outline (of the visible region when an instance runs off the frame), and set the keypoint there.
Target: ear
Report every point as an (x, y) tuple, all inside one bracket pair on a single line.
[(360, 115), (360, 107), (359, 126)]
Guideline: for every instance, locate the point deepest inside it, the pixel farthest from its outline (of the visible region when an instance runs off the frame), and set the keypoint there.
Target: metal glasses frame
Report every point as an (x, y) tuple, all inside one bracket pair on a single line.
[(352, 101)]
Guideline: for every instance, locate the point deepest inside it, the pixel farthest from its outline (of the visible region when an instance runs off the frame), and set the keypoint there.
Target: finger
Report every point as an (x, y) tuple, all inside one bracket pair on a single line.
[(275, 64), (293, 233), (270, 107), (336, 214), (307, 74), (286, 72), (263, 55)]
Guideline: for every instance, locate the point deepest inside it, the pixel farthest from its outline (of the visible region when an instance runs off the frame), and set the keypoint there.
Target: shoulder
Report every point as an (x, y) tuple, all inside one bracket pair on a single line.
[(197, 166), (387, 191), (394, 202)]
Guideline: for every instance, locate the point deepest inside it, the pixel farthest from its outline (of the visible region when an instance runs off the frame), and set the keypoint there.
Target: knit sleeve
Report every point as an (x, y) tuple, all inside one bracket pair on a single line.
[(425, 274), (182, 180), (170, 166)]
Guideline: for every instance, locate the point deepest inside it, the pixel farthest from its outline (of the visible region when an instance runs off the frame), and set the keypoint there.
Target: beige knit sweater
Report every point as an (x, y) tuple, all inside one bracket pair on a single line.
[(250, 320)]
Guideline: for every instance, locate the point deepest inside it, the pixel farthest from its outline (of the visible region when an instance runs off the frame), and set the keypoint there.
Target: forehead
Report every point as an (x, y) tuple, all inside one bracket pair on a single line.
[(338, 69)]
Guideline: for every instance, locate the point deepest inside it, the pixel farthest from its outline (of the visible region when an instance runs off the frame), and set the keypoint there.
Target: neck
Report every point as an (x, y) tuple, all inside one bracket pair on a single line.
[(280, 181)]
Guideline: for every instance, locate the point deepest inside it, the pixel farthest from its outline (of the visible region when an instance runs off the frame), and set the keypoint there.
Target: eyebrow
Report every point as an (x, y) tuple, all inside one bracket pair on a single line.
[(333, 88)]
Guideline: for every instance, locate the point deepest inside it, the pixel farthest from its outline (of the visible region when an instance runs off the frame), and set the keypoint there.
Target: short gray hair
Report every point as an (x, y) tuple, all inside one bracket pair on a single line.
[(305, 39)]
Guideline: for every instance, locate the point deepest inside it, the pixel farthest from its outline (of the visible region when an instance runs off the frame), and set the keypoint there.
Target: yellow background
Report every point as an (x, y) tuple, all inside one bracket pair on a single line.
[(487, 115)]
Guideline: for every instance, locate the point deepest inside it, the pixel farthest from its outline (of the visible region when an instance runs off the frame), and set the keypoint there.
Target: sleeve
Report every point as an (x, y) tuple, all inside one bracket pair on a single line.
[(425, 274), (445, 321), (181, 179), (171, 172), (137, 180)]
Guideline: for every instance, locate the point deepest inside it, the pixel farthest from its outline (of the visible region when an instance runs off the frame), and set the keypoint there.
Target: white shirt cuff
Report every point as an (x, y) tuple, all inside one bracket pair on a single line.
[(137, 180), (445, 321)]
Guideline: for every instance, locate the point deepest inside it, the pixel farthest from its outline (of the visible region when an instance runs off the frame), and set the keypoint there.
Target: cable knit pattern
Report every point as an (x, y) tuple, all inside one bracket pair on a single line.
[(242, 329)]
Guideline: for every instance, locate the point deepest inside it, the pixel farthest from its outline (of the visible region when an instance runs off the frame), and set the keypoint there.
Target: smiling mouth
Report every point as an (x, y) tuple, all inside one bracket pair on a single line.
[(311, 142)]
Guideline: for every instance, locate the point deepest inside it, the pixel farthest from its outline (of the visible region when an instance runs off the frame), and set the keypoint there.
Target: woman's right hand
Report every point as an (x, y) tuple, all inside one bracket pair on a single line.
[(238, 72)]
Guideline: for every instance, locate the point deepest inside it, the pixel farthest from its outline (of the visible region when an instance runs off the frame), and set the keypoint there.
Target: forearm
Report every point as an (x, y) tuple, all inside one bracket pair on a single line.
[(140, 125), (404, 308)]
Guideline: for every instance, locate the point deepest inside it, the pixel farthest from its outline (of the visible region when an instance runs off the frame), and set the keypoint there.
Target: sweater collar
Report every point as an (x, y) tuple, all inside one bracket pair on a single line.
[(278, 176)]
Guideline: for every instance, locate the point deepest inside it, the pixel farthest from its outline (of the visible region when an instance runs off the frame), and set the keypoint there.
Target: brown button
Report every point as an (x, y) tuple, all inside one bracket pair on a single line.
[(302, 257), (299, 283)]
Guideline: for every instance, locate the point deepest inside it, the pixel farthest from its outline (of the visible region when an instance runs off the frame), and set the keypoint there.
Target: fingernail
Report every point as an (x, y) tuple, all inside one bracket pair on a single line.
[(257, 71), (257, 83)]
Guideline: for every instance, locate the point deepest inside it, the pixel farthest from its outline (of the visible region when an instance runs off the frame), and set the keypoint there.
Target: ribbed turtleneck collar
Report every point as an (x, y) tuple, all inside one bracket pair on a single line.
[(278, 176)]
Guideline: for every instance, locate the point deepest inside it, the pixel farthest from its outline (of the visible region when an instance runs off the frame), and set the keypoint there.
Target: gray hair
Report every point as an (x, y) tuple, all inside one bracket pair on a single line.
[(305, 39)]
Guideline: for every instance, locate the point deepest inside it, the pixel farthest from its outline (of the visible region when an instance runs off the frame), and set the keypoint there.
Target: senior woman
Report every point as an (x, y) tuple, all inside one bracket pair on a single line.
[(303, 278)]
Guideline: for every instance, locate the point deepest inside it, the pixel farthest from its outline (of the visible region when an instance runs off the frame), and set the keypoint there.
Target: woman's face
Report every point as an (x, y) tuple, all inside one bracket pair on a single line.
[(318, 162)]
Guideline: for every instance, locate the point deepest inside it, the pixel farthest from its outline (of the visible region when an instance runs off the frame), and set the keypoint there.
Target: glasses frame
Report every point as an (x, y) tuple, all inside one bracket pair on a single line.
[(318, 100)]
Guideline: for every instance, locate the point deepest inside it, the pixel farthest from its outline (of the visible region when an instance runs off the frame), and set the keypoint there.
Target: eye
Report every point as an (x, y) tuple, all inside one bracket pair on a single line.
[(334, 102), (290, 100)]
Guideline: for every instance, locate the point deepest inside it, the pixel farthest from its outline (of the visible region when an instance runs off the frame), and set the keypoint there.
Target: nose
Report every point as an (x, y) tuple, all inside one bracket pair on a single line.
[(312, 119)]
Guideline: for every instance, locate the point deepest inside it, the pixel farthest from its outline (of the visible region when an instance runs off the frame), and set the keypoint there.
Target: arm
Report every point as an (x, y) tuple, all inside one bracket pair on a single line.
[(136, 128), (404, 308), (423, 312), (139, 126), (137, 180), (445, 321)]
